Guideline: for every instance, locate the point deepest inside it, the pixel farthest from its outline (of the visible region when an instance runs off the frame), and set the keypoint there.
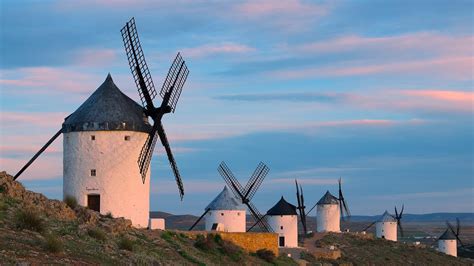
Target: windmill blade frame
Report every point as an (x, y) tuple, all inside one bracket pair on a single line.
[(138, 66), (38, 153), (370, 225), (301, 207), (199, 219), (342, 203), (174, 82)]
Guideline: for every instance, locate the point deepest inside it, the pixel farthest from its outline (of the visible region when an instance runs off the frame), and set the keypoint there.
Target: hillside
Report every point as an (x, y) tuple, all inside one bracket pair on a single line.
[(37, 230)]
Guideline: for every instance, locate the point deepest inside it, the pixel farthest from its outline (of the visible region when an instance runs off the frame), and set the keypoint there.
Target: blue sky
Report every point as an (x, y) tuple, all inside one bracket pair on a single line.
[(378, 93)]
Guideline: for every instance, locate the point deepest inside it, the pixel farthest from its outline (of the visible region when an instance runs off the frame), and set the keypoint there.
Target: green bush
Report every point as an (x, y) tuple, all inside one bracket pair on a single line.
[(71, 202), (28, 219), (126, 244), (97, 233), (205, 243), (53, 244), (167, 235), (266, 255)]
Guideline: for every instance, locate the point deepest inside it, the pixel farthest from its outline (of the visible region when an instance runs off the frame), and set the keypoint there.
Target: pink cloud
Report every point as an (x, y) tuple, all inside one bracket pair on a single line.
[(460, 97), (261, 8), (213, 49), (414, 42), (19, 119), (94, 58), (45, 167), (49, 80), (451, 67)]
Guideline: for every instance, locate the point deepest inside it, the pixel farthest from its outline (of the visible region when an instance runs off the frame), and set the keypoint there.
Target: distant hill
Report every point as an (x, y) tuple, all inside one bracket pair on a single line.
[(429, 217)]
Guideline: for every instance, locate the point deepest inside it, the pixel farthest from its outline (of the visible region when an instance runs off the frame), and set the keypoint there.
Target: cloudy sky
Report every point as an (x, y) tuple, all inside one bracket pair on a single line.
[(379, 93)]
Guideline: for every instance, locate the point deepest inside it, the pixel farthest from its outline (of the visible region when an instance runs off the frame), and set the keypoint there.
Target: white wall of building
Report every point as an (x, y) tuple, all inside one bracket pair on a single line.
[(232, 220), (387, 230), (448, 246), (287, 226), (117, 181), (157, 223), (328, 218)]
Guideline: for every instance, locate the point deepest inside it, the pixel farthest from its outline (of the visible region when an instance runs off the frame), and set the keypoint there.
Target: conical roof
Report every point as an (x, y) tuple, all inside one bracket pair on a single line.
[(225, 201), (386, 217), (448, 235), (107, 109), (282, 208), (328, 198)]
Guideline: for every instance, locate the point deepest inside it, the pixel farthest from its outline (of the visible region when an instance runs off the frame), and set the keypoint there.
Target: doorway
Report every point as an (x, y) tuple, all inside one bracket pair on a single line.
[(93, 202), (281, 241)]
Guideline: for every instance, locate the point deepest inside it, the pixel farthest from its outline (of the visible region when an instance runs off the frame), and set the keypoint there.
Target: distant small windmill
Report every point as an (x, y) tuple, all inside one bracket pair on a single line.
[(447, 242), (386, 226), (330, 210), (246, 194)]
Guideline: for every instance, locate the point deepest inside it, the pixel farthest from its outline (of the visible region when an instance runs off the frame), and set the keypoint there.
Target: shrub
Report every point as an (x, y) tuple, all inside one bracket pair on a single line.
[(71, 202), (53, 244), (126, 244), (167, 235), (28, 219), (266, 255), (97, 233), (233, 251), (206, 243), (109, 215)]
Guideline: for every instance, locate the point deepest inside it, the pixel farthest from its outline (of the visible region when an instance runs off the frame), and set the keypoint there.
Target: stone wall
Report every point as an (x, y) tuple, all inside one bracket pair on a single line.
[(249, 241)]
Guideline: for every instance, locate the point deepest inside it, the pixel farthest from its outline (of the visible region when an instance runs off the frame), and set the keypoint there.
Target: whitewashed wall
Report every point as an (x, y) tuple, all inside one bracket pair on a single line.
[(289, 223), (448, 246), (328, 218), (233, 220), (117, 181), (387, 230)]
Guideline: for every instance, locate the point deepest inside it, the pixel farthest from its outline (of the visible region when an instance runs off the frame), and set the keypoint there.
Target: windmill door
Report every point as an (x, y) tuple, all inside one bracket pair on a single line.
[(281, 241), (93, 202)]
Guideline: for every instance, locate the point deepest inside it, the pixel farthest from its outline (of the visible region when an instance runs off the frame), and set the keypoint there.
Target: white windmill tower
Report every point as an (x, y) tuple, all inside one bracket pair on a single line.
[(224, 213), (329, 210), (108, 142), (448, 241), (386, 226), (283, 219)]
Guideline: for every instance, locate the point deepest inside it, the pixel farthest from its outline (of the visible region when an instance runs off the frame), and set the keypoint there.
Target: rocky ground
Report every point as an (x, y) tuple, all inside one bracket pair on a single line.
[(36, 230)]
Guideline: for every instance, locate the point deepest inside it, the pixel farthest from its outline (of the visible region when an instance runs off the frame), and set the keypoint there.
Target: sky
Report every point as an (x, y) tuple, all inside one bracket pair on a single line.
[(379, 93)]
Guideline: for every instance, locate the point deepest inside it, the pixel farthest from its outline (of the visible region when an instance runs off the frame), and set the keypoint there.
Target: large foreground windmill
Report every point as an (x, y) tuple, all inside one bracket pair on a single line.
[(246, 194), (108, 141)]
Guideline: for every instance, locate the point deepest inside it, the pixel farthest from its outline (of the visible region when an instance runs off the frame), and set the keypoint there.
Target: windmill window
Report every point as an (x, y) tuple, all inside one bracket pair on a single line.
[(281, 227), (93, 172), (238, 214), (92, 137), (222, 214), (126, 138)]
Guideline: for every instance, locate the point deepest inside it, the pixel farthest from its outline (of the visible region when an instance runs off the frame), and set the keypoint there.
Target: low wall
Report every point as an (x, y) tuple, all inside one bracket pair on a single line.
[(249, 241)]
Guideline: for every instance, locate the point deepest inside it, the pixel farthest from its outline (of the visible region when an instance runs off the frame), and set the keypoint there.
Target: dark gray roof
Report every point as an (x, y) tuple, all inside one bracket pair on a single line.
[(386, 217), (447, 235), (225, 201), (107, 109), (282, 208), (328, 198)]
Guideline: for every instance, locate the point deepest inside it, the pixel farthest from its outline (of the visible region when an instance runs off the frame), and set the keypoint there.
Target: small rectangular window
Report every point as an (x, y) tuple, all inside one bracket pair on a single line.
[(281, 227), (127, 138), (93, 172), (92, 137), (222, 214)]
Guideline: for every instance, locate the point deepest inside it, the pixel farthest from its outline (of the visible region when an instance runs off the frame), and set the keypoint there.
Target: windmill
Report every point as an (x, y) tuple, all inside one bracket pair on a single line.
[(170, 92), (301, 207), (386, 225), (109, 138), (448, 241), (246, 194)]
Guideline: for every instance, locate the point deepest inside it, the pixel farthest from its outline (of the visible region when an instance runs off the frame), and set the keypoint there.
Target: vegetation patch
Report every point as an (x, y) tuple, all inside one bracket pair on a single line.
[(109, 215), (266, 255), (71, 202), (126, 243), (30, 220), (97, 233), (53, 244)]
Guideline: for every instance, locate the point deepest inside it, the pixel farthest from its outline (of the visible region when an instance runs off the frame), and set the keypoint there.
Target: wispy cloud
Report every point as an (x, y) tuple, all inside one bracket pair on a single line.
[(216, 49), (96, 57), (290, 96), (424, 195)]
